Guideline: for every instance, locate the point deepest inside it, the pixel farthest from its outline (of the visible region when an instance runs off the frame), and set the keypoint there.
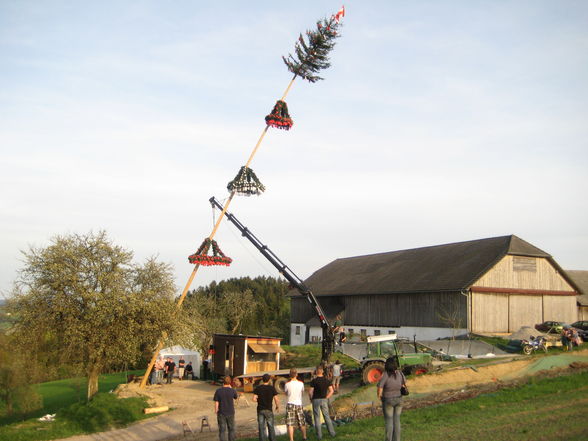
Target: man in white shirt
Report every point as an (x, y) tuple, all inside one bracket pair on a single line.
[(294, 412)]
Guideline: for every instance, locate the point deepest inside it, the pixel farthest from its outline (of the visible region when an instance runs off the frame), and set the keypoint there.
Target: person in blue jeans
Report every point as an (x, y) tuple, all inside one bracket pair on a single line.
[(265, 395), (389, 392), (224, 407), (320, 391)]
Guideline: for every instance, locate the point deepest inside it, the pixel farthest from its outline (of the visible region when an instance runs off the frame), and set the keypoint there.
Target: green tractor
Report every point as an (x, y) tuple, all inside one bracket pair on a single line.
[(373, 354)]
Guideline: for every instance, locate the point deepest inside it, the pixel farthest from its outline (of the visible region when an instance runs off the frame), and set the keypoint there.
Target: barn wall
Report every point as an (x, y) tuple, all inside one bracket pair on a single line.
[(504, 312), (415, 309), (560, 308), (489, 312), (512, 272), (301, 310), (524, 310)]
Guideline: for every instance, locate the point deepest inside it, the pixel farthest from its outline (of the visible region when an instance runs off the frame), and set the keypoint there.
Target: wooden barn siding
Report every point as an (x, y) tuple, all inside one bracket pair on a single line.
[(489, 312), (560, 308), (388, 310), (301, 311), (545, 277), (582, 312), (415, 309), (494, 312), (524, 310)]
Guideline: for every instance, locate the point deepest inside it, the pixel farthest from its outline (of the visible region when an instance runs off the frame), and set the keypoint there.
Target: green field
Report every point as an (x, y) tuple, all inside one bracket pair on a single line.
[(61, 394), (553, 409)]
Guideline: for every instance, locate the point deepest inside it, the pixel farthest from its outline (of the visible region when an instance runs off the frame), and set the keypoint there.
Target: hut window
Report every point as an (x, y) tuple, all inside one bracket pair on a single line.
[(297, 330), (524, 264)]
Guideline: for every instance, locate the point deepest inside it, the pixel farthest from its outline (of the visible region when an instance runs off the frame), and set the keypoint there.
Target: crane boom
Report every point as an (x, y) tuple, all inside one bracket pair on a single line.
[(328, 342)]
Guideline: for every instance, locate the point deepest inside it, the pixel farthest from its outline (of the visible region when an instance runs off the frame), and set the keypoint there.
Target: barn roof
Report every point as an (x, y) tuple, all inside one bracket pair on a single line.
[(580, 278), (449, 267)]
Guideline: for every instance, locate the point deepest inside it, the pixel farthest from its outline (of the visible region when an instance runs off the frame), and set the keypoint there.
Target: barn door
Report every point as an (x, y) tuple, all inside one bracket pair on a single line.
[(524, 310)]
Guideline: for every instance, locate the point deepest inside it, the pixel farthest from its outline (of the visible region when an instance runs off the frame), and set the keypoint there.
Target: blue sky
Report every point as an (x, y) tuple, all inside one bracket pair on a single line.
[(437, 122)]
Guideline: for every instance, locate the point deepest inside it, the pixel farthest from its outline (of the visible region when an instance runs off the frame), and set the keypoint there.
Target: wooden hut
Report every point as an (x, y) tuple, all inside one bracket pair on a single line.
[(493, 285), (237, 355)]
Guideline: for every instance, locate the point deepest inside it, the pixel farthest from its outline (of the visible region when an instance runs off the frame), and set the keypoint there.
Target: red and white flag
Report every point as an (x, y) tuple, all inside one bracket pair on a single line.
[(340, 14)]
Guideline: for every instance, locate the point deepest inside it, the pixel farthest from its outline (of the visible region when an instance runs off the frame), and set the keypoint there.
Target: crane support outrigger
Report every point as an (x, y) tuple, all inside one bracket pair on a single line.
[(328, 342)]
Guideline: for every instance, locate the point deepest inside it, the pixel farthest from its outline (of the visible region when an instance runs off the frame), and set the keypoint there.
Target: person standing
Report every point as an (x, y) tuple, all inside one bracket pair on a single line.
[(265, 395), (319, 393), (389, 392), (181, 367), (170, 369), (337, 371), (294, 412), (224, 407), (159, 369)]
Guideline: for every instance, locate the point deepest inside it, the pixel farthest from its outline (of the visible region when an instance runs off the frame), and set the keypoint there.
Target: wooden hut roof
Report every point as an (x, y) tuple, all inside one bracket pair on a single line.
[(450, 267), (580, 278)]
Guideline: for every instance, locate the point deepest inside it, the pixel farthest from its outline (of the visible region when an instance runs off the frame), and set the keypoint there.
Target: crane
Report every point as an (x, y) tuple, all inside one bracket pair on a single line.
[(328, 341)]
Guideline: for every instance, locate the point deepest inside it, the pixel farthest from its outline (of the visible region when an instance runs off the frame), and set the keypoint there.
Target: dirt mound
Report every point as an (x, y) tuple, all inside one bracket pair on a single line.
[(525, 333), (132, 390)]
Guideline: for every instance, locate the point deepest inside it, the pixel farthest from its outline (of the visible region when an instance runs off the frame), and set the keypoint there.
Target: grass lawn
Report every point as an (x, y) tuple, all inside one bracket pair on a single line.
[(56, 395), (62, 393), (551, 409)]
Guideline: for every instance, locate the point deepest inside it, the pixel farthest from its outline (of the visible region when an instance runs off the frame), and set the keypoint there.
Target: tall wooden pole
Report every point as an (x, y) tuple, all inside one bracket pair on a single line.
[(161, 342)]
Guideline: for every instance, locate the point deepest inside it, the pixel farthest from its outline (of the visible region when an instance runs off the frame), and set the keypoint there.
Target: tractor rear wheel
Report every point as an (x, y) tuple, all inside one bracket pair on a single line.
[(372, 372)]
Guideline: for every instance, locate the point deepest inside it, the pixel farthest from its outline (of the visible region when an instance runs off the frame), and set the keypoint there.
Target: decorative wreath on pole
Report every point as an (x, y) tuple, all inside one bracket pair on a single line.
[(280, 118), (246, 183), (201, 256)]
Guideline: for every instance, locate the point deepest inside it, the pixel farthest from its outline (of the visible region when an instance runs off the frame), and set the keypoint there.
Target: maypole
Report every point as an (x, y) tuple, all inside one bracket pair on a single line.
[(311, 56)]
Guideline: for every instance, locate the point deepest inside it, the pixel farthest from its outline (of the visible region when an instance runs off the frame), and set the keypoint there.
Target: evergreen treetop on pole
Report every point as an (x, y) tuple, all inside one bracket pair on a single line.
[(312, 55)]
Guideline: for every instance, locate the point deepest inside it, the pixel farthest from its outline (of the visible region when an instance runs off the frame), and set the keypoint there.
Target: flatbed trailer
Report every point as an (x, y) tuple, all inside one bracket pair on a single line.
[(279, 378)]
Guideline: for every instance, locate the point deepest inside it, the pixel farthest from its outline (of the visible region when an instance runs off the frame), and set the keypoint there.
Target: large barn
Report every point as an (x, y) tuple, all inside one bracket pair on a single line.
[(580, 278), (486, 286)]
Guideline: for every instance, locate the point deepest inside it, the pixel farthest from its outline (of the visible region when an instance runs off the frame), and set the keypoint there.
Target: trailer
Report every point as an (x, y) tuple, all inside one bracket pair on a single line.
[(247, 358)]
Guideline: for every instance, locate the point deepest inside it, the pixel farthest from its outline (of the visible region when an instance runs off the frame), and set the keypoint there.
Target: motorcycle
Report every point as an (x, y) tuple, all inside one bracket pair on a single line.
[(534, 344)]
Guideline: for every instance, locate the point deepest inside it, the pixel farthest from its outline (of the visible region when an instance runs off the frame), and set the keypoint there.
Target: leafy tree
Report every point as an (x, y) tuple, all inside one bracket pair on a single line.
[(84, 294)]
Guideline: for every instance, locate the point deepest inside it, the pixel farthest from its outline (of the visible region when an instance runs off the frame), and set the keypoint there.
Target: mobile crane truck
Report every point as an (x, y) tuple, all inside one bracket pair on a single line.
[(372, 363)]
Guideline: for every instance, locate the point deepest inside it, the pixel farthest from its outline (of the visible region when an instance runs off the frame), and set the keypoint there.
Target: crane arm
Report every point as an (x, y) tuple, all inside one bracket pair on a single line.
[(328, 333)]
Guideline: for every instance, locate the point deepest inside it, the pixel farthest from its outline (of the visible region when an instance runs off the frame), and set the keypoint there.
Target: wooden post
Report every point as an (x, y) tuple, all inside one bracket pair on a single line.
[(211, 236)]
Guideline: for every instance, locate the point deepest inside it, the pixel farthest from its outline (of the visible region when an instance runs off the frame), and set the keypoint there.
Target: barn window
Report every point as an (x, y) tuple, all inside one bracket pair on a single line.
[(363, 334), (524, 264), (350, 330), (377, 332), (297, 330)]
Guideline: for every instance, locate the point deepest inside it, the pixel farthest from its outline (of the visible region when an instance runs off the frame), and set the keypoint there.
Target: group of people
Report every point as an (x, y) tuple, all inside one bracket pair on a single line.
[(165, 369), (570, 337), (320, 391)]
